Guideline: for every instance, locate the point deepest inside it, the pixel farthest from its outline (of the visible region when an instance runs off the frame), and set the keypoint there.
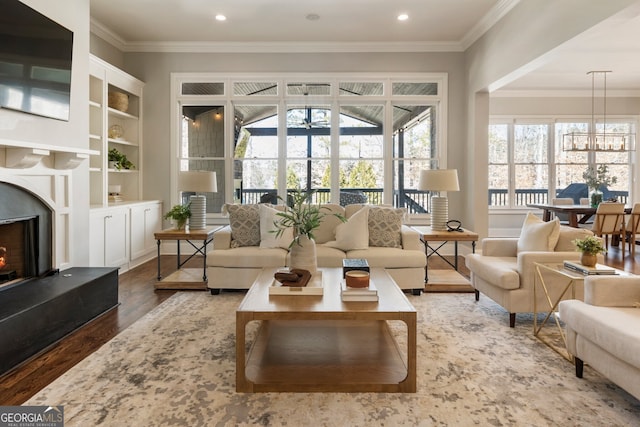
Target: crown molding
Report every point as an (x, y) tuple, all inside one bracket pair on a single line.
[(560, 93), (100, 30), (291, 47), (488, 20)]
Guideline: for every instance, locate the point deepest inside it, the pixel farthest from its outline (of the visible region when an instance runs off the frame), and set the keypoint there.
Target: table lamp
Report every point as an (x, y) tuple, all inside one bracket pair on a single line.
[(198, 182), (436, 180)]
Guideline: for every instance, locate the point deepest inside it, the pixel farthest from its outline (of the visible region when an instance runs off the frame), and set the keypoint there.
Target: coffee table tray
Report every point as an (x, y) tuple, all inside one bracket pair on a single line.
[(314, 287)]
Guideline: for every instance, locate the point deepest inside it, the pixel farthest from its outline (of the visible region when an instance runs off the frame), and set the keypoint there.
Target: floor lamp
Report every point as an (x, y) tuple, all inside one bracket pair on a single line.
[(198, 182), (436, 180)]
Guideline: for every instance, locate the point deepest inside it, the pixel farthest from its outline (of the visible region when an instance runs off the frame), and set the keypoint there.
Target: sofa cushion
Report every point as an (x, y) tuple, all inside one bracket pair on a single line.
[(537, 235), (389, 257), (353, 234), (609, 328), (245, 224), (499, 271), (247, 257), (327, 230), (268, 235), (384, 226), (328, 256), (568, 235)]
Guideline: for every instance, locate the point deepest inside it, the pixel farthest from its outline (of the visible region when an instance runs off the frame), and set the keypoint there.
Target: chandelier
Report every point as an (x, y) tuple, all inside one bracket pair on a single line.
[(598, 140)]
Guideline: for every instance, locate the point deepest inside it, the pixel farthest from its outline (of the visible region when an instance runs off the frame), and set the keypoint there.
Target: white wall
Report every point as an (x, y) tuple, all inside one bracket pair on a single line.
[(21, 127), (155, 69), (511, 47)]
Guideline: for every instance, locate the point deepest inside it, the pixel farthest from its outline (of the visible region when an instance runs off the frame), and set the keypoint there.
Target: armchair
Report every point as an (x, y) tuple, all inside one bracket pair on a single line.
[(506, 273)]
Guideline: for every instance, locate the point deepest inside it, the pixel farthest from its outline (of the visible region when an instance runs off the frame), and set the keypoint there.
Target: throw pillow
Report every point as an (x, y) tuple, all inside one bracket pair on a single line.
[(268, 239), (537, 235), (353, 234), (384, 227), (245, 224)]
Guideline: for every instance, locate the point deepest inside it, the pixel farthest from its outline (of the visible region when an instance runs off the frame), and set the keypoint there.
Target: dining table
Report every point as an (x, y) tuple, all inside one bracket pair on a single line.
[(576, 214)]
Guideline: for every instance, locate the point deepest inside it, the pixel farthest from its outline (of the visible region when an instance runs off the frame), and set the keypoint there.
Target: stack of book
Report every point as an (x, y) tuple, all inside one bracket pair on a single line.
[(359, 294), (597, 269)]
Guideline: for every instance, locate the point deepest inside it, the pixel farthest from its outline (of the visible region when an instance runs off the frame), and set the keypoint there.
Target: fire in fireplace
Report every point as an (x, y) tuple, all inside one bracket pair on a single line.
[(25, 236)]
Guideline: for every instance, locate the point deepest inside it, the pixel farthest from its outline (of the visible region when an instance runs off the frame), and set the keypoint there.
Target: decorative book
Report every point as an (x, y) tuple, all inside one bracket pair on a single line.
[(359, 294), (349, 264), (583, 269)]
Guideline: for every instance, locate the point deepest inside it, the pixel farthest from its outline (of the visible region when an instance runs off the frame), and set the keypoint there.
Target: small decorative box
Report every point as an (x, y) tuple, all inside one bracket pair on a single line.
[(354, 264)]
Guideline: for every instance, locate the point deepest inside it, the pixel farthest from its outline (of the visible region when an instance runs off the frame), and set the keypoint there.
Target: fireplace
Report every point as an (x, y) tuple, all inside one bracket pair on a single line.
[(25, 236)]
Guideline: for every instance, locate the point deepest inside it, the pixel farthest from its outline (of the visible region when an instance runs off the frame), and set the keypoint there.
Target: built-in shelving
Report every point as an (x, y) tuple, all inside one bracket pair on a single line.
[(104, 120)]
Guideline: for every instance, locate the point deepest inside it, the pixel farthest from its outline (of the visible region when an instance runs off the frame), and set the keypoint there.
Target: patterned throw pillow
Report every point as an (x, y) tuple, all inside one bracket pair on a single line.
[(245, 225), (384, 227)]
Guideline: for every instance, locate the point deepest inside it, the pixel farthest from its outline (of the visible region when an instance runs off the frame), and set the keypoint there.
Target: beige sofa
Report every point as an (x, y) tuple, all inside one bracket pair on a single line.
[(604, 330), (230, 267), (505, 270)]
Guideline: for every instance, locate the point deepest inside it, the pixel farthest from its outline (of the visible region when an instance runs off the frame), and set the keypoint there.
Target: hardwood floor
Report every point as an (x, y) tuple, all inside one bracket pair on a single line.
[(137, 297)]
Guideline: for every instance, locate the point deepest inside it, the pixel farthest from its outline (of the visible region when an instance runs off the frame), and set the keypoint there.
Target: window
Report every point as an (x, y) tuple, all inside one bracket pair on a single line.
[(334, 134), (527, 163)]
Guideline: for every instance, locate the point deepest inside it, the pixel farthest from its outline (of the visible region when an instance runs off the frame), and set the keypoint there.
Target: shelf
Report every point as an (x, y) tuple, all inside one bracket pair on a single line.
[(117, 113), (123, 171), (95, 104), (96, 137), (122, 142)]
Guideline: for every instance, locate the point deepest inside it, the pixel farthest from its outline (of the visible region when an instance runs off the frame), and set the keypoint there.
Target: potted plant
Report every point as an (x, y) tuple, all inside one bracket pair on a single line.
[(180, 214), (590, 247), (595, 178), (303, 218), (119, 160)]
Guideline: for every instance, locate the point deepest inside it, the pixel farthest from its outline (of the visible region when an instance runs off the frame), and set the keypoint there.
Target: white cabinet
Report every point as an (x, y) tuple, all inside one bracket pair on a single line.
[(114, 126), (146, 219), (123, 236), (109, 236)]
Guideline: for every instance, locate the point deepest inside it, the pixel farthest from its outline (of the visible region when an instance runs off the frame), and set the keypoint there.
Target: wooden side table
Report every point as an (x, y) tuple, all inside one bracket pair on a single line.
[(186, 278), (445, 277)]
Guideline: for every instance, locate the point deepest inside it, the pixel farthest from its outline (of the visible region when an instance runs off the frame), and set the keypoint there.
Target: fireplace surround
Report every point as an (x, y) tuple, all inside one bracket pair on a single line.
[(25, 235)]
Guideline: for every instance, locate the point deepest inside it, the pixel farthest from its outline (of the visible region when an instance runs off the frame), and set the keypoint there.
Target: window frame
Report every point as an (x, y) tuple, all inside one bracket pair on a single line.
[(553, 146), (334, 99)]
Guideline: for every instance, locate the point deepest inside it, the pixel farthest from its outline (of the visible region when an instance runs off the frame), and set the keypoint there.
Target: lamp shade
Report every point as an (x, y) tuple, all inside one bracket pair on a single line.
[(439, 180), (198, 182)]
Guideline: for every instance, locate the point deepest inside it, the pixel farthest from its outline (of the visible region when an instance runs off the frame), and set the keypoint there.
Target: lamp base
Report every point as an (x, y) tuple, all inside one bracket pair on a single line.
[(439, 213), (198, 219)]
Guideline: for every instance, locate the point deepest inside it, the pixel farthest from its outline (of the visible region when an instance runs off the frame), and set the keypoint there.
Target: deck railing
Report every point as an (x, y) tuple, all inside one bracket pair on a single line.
[(499, 196)]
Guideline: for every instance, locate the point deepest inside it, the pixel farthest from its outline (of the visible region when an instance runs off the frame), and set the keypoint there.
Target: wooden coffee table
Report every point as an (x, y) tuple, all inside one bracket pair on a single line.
[(309, 343)]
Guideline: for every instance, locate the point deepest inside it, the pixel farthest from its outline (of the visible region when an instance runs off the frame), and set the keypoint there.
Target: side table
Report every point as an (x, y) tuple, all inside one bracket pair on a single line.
[(565, 285), (450, 278), (186, 278)]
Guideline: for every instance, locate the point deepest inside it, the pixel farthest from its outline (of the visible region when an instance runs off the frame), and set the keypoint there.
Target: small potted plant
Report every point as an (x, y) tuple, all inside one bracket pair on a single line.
[(590, 247), (119, 160), (180, 214)]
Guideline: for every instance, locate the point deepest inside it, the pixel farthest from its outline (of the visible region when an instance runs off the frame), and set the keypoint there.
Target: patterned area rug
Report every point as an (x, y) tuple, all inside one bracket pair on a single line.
[(176, 367)]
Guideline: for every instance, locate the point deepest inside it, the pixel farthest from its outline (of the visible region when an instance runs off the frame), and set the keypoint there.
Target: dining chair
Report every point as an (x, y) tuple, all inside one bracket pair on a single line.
[(633, 227), (564, 218), (609, 221)]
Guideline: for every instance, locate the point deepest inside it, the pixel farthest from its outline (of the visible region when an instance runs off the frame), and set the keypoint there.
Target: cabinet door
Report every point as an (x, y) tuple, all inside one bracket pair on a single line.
[(145, 221), (96, 234), (116, 237)]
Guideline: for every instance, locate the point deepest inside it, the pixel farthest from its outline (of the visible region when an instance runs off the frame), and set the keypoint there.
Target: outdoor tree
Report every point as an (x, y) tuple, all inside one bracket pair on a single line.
[(362, 176)]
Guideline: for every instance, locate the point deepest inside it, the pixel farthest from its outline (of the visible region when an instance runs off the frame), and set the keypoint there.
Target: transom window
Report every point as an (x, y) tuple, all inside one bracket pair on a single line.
[(347, 138)]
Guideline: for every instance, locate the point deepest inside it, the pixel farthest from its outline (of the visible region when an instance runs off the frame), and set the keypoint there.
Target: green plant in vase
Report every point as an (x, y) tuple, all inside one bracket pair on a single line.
[(590, 247), (180, 214), (596, 178), (119, 160)]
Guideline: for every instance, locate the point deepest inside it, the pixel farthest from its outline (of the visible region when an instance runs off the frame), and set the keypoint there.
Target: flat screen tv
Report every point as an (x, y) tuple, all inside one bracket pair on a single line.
[(35, 62)]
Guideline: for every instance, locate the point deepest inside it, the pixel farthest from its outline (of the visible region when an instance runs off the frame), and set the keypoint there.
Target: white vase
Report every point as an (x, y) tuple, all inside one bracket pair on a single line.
[(303, 255)]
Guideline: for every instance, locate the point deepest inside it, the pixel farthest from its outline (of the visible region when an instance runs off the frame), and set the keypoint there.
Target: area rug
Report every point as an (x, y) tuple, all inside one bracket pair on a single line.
[(175, 367)]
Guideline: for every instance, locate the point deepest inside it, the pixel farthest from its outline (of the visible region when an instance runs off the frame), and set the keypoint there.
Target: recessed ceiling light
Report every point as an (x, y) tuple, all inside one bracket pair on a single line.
[(403, 17), (220, 17), (312, 17)]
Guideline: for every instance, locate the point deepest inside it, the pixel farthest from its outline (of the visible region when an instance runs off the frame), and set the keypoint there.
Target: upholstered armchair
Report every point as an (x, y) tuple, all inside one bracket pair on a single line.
[(505, 268)]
